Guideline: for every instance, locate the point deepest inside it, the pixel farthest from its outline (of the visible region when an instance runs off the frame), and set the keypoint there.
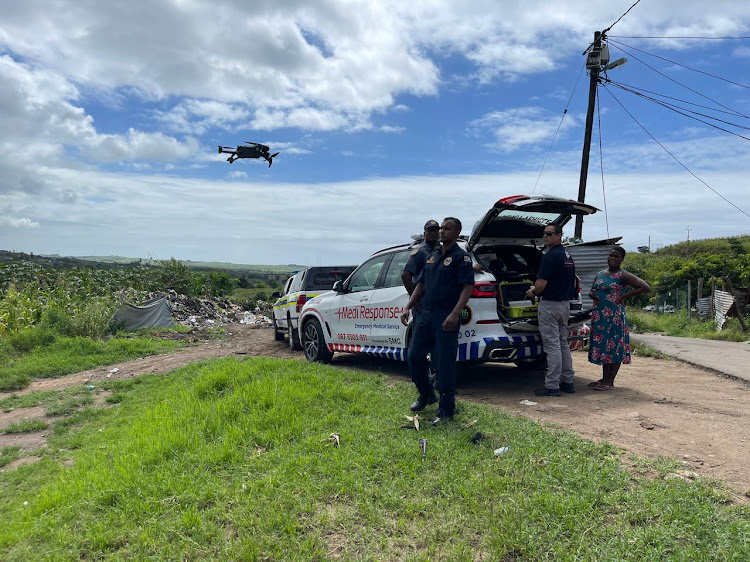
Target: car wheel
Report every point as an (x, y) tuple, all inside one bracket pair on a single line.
[(294, 344), (277, 335), (532, 363), (314, 343)]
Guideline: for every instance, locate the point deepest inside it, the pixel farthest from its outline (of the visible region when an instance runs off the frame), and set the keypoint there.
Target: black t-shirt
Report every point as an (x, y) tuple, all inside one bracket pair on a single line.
[(443, 277), (558, 269)]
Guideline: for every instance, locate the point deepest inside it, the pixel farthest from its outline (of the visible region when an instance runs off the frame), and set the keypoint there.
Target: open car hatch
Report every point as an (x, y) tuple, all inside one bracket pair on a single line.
[(521, 219)]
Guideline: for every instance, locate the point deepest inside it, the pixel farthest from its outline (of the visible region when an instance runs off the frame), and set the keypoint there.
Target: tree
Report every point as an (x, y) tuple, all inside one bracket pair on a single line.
[(644, 250), (176, 275)]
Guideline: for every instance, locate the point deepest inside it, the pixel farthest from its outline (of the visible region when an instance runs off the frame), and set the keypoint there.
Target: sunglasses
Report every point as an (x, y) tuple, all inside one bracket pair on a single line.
[(545, 233)]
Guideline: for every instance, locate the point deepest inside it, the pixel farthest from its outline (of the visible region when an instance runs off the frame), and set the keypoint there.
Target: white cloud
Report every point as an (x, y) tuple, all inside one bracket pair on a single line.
[(44, 128), (322, 65), (18, 222), (517, 127)]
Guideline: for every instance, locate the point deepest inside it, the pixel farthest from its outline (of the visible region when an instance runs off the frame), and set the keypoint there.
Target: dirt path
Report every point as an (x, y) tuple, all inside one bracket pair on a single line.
[(661, 407)]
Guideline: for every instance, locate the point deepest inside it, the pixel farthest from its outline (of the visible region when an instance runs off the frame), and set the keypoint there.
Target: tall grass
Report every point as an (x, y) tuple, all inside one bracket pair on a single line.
[(230, 460), (678, 324)]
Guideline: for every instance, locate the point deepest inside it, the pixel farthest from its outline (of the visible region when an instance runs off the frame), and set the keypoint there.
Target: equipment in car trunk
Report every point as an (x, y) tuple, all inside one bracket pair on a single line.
[(513, 301)]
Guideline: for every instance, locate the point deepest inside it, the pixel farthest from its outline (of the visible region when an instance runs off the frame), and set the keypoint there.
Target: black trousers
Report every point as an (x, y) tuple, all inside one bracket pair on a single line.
[(430, 338)]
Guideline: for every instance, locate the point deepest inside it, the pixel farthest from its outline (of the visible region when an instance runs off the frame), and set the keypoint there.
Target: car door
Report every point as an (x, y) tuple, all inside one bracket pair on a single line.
[(387, 303), (349, 314), (280, 307)]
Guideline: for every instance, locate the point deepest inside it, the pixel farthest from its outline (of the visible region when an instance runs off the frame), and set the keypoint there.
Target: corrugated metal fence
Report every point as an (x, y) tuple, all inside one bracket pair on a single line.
[(590, 259)]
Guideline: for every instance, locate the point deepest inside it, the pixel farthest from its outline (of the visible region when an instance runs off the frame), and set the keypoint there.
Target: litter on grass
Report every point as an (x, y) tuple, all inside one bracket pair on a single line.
[(501, 451)]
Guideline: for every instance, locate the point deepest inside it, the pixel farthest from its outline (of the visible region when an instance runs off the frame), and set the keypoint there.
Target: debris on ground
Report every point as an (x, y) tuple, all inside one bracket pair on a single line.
[(205, 312)]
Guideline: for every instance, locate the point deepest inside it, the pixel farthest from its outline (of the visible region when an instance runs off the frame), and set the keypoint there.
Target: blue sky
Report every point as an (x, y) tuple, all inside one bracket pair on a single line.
[(386, 114)]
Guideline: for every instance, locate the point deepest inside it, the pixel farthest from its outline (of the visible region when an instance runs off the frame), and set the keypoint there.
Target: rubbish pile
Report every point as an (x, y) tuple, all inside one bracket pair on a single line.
[(193, 311)]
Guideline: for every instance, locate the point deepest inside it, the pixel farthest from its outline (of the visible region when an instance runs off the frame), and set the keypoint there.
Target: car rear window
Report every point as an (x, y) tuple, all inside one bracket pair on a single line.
[(324, 279)]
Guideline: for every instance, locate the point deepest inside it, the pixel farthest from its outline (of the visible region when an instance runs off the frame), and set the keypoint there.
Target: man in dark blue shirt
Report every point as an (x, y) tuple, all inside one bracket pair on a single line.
[(556, 284), (419, 255), (443, 289)]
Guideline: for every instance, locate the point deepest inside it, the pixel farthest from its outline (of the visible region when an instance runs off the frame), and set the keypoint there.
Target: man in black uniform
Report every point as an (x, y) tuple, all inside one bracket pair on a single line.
[(443, 289), (556, 283), (419, 255)]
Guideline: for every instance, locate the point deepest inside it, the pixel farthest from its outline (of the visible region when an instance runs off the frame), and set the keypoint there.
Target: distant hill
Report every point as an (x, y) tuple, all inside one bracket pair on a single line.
[(55, 260), (730, 245), (288, 268)]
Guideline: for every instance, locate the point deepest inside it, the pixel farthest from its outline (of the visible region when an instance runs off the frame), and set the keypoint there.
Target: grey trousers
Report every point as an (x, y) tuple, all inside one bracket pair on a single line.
[(553, 326)]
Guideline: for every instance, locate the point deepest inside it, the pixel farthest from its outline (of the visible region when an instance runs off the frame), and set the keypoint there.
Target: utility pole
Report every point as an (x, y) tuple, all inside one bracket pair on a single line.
[(593, 63), (597, 61)]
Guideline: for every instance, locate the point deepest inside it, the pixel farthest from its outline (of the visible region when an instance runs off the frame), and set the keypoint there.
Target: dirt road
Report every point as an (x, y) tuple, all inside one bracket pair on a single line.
[(660, 407)]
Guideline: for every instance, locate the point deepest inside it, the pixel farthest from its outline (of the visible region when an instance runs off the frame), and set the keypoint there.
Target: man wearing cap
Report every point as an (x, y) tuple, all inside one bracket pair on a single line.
[(556, 284), (419, 255), (443, 288)]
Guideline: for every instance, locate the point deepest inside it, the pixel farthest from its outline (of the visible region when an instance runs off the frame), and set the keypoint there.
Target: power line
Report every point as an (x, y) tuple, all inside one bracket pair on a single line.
[(675, 37), (683, 85), (638, 89), (622, 16), (672, 155), (565, 112), (601, 164), (685, 112), (681, 65)]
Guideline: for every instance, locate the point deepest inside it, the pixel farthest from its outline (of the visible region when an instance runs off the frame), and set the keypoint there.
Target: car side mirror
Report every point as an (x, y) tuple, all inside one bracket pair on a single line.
[(275, 295), (338, 286)]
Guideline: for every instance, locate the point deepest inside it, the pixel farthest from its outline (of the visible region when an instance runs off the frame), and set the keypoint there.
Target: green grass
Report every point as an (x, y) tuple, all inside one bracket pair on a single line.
[(241, 295), (25, 426), (55, 402), (9, 454), (229, 460), (679, 324), (65, 355), (643, 350)]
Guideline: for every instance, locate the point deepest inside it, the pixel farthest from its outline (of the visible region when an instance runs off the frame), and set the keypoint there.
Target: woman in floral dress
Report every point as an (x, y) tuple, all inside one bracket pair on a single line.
[(609, 345)]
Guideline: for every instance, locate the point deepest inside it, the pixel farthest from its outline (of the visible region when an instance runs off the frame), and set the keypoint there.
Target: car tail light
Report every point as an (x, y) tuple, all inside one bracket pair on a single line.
[(512, 199), (301, 300), (484, 291)]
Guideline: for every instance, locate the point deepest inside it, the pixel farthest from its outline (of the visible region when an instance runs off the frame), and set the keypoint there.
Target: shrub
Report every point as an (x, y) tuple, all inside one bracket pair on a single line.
[(93, 318), (177, 275), (58, 320), (30, 338)]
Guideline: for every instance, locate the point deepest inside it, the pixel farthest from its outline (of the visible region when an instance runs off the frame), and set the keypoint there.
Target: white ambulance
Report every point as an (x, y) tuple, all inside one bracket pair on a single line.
[(362, 313)]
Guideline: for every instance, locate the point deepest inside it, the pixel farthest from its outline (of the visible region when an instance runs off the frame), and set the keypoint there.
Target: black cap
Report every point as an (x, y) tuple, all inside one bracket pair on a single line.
[(431, 224)]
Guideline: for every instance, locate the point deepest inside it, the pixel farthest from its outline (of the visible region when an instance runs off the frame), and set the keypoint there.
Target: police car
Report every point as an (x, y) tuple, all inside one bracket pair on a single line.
[(304, 285), (362, 314)]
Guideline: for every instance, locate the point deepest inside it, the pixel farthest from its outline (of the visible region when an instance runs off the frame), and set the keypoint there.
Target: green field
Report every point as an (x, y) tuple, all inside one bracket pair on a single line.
[(231, 460)]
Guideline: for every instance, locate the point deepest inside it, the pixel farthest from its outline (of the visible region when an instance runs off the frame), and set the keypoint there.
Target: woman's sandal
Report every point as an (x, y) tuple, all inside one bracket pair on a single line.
[(596, 383), (602, 387)]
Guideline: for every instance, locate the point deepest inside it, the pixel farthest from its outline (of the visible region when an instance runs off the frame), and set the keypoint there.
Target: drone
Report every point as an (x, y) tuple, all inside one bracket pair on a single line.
[(252, 150)]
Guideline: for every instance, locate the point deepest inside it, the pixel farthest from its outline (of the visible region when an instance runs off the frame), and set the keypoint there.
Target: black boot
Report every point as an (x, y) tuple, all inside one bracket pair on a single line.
[(446, 409), (422, 401)]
